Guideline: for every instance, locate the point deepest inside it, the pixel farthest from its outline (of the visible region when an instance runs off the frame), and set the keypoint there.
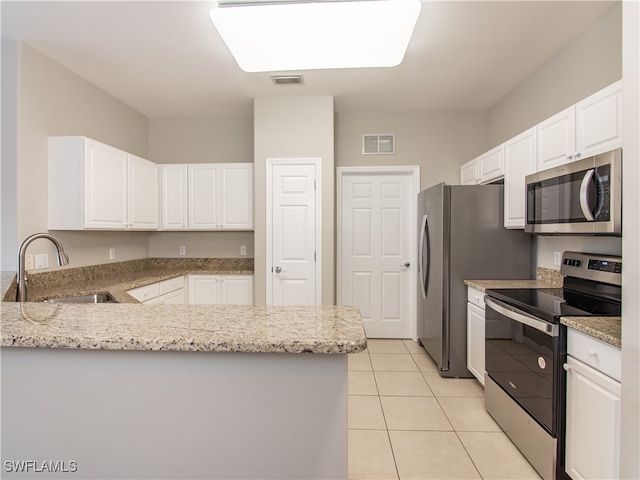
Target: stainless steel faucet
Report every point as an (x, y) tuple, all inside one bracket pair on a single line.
[(63, 259)]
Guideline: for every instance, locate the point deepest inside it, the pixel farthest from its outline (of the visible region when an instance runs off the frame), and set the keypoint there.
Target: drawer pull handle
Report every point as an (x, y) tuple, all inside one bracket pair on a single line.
[(566, 366), (592, 353)]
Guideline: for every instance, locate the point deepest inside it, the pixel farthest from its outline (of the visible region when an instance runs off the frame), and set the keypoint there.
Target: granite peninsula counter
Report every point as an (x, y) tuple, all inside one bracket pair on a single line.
[(177, 391)]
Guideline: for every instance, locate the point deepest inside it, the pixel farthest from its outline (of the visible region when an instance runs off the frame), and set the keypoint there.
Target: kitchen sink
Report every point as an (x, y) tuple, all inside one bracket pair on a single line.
[(95, 298)]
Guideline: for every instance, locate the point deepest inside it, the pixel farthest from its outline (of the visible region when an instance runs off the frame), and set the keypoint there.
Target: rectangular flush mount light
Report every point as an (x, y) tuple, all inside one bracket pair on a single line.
[(279, 35)]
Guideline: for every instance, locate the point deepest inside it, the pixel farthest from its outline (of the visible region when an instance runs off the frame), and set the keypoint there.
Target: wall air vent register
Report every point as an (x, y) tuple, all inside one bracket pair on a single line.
[(379, 144)]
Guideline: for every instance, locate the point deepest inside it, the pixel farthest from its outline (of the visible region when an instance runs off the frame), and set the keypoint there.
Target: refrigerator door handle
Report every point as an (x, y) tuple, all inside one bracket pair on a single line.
[(424, 272)]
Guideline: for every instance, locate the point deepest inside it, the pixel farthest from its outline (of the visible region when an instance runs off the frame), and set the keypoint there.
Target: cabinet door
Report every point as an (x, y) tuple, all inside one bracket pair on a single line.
[(143, 194), (174, 197), (173, 298), (105, 186), (475, 341), (204, 289), (519, 161), (236, 196), (236, 289), (599, 121), (491, 165), (204, 196), (556, 138), (469, 173), (593, 423)]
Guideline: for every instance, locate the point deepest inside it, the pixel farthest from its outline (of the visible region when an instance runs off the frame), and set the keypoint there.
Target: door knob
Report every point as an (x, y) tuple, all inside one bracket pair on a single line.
[(406, 264), (278, 269)]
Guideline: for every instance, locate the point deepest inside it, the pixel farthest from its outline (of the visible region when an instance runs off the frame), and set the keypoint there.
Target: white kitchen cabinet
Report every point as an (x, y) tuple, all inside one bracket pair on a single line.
[(95, 186), (236, 196), (519, 161), (599, 121), (592, 126), (220, 289), (469, 173), (204, 198), (556, 140), (207, 196), (164, 292), (475, 333), (486, 168), (491, 165), (143, 194), (175, 298), (174, 197), (593, 408)]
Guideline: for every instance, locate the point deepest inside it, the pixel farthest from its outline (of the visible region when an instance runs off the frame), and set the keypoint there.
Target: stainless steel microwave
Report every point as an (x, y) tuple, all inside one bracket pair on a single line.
[(582, 197)]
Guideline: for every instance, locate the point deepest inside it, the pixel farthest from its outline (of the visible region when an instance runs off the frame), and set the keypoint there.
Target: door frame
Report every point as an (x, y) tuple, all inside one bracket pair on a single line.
[(414, 172), (317, 164)]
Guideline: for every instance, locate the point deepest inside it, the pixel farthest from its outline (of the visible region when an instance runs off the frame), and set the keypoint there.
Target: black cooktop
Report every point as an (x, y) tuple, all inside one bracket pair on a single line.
[(552, 303)]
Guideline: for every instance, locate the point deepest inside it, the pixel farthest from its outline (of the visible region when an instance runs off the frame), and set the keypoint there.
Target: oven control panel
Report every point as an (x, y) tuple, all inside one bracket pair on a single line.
[(591, 266)]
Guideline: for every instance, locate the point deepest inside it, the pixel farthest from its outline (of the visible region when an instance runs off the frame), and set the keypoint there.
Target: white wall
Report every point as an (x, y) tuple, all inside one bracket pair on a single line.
[(589, 63), (8, 168), (437, 141), (54, 101), (287, 127), (630, 417)]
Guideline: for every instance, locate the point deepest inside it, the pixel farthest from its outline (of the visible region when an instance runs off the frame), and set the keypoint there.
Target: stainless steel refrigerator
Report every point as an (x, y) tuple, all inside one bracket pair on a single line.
[(462, 237)]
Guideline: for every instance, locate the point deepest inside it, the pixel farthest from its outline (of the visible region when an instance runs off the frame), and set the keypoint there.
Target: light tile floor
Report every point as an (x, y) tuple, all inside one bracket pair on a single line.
[(407, 422)]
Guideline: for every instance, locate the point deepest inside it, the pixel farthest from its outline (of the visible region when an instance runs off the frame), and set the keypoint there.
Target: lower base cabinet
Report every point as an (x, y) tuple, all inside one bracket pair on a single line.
[(220, 289), (475, 333), (593, 411)]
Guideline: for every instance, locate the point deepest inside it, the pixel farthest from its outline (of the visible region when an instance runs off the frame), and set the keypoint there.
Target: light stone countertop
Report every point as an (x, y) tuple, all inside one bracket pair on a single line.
[(483, 285), (202, 328), (607, 329), (117, 278), (130, 325)]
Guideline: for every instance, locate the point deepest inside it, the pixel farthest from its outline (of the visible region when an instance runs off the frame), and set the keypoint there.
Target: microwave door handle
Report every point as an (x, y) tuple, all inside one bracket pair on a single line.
[(423, 233), (520, 317), (584, 195)]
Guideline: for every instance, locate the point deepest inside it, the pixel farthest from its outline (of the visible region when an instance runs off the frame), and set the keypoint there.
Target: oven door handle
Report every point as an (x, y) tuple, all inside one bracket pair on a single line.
[(521, 317)]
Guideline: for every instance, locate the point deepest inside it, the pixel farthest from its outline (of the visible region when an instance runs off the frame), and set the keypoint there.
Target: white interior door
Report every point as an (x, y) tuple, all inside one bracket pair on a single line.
[(377, 244), (294, 242)]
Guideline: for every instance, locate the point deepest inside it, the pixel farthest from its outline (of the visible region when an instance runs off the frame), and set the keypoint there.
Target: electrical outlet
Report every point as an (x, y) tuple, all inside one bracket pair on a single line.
[(28, 262), (243, 249), (42, 260), (557, 258), (183, 250), (112, 254)]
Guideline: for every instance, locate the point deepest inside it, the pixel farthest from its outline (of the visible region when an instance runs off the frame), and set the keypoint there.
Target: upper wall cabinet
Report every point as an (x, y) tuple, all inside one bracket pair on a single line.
[(592, 126), (519, 161), (208, 196), (487, 168), (174, 197), (599, 121), (94, 186), (469, 173), (491, 165)]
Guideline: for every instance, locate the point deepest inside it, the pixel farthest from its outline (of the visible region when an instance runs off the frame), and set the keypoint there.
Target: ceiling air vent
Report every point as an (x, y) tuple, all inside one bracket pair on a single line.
[(287, 79)]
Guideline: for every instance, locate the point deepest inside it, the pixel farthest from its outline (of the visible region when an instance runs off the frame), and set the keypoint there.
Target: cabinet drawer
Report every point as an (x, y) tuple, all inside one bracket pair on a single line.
[(171, 285), (595, 353), (476, 297), (145, 293)]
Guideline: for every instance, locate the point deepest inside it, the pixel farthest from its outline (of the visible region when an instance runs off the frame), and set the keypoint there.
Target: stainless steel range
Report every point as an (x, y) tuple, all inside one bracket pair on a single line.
[(525, 348)]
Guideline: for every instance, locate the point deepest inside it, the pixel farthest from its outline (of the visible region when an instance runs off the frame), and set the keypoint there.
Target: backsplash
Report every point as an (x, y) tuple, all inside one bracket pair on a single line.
[(549, 275)]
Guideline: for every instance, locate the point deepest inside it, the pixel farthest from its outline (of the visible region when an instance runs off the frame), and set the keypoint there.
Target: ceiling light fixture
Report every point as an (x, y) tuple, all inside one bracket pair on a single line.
[(268, 36)]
